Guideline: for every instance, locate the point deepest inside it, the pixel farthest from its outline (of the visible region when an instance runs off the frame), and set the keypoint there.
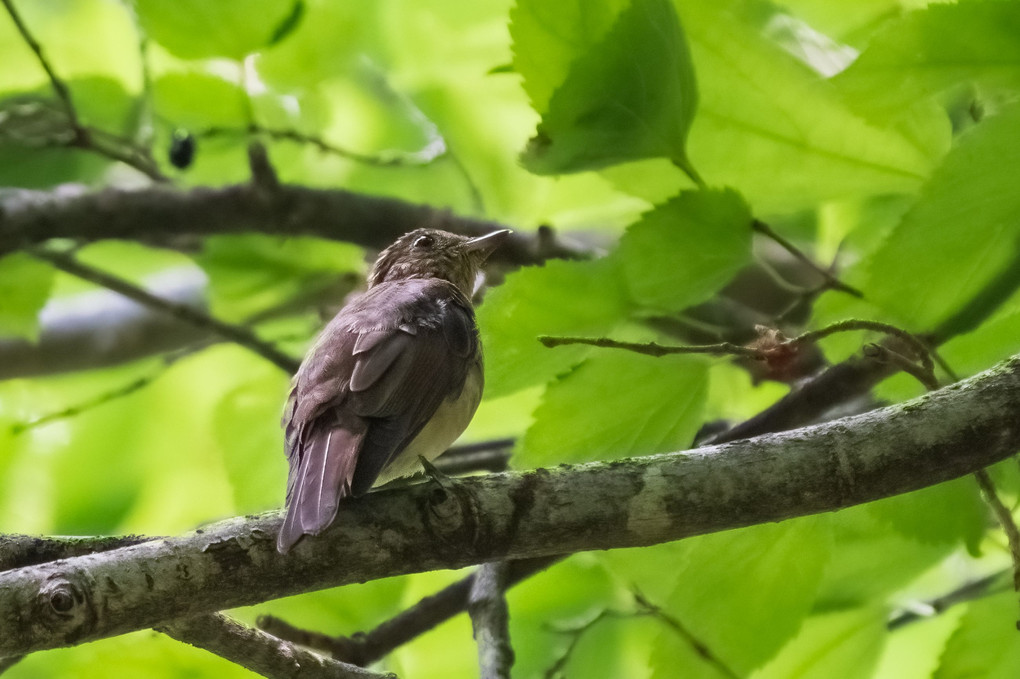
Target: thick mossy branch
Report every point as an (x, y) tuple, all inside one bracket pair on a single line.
[(642, 501)]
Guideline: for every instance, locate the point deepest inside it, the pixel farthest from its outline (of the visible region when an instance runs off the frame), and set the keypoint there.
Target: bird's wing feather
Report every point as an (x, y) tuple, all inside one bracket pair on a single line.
[(375, 377)]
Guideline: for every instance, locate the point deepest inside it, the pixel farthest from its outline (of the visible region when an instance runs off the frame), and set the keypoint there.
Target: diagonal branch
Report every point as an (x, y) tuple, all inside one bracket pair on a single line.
[(234, 333), (943, 435), (59, 86), (260, 652)]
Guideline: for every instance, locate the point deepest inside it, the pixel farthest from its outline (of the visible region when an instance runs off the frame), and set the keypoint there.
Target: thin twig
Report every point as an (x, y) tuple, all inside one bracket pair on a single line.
[(762, 351), (84, 136), (653, 349), (490, 620), (1005, 519), (986, 586), (833, 282), (59, 86), (237, 334)]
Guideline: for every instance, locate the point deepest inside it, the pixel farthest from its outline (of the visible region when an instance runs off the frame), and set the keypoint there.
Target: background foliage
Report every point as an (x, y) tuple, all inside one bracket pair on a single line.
[(884, 132)]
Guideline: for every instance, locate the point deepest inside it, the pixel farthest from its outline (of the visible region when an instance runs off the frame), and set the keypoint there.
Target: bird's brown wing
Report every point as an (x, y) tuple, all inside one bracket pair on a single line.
[(375, 377)]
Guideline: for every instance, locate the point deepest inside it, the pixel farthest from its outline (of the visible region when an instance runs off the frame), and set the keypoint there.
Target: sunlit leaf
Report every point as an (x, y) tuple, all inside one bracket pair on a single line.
[(768, 576), (684, 250), (544, 300), (962, 231), (192, 29), (933, 49), (632, 96), (986, 643), (646, 405)]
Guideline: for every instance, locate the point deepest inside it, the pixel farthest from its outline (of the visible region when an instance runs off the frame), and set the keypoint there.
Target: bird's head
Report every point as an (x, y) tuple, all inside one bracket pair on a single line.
[(431, 253)]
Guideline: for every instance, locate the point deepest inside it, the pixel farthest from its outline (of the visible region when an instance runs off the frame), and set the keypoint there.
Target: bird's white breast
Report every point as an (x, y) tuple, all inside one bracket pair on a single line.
[(449, 422)]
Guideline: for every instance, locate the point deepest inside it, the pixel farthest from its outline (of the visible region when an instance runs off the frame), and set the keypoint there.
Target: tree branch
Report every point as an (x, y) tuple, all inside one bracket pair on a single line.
[(943, 435), (162, 215), (490, 620), (234, 333), (260, 652), (364, 648)]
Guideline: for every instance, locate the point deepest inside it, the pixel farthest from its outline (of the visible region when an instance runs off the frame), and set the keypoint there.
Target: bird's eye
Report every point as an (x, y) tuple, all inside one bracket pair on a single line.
[(423, 242)]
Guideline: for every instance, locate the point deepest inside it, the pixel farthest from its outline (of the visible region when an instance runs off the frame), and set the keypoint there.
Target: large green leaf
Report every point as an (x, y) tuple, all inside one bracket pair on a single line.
[(931, 50), (549, 36), (962, 231), (986, 643), (193, 29), (766, 576), (557, 298), (25, 285), (684, 250), (630, 96), (760, 107), (645, 405)]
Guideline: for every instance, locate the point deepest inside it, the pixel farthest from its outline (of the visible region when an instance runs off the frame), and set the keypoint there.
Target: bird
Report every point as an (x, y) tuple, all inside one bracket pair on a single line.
[(397, 374)]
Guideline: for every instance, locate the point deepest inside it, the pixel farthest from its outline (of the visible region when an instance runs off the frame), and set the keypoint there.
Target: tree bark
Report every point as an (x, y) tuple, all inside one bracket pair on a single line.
[(641, 501)]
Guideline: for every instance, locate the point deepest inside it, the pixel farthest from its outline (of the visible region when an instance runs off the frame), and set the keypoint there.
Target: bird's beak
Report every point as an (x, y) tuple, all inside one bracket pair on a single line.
[(483, 246)]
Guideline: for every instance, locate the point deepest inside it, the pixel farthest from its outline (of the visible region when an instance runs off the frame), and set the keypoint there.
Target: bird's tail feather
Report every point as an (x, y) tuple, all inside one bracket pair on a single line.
[(322, 479)]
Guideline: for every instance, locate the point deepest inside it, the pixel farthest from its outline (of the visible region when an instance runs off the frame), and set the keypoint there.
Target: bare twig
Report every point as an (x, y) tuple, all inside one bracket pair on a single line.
[(490, 620), (986, 586), (833, 282), (390, 159), (773, 345), (1005, 519), (260, 652), (59, 86), (653, 349), (237, 334)]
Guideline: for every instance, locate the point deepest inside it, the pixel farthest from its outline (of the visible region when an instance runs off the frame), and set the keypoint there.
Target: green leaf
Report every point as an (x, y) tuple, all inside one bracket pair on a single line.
[(780, 133), (631, 96), (869, 561), (929, 51), (197, 100), (192, 29), (962, 231), (846, 644), (766, 576), (558, 298), (646, 405), (986, 643), (549, 36), (683, 251), (253, 272), (950, 512), (25, 285)]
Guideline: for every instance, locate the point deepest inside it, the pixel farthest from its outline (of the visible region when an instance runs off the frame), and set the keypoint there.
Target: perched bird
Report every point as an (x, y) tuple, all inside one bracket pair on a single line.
[(396, 374)]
